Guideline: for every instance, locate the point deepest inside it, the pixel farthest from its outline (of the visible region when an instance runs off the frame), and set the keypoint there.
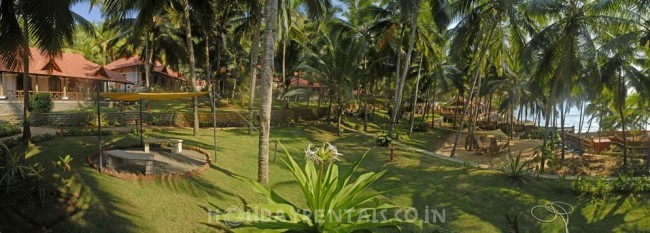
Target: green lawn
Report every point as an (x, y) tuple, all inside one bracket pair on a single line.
[(472, 199)]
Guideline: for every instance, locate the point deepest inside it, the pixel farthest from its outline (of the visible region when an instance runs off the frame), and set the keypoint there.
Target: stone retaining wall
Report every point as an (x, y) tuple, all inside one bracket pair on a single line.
[(283, 117), (15, 107)]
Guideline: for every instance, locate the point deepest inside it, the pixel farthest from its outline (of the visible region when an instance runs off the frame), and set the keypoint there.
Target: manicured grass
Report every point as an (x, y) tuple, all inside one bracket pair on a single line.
[(472, 199)]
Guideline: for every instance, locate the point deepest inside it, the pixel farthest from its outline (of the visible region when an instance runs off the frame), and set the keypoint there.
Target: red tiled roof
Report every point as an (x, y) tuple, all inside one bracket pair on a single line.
[(67, 65), (301, 82), (112, 75), (137, 61)]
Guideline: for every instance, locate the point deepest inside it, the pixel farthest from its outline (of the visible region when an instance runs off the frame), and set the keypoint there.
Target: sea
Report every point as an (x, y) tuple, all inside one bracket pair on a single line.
[(573, 119)]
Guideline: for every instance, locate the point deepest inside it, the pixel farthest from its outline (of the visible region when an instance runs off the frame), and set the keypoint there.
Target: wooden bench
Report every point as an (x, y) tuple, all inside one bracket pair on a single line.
[(132, 155), (177, 144)]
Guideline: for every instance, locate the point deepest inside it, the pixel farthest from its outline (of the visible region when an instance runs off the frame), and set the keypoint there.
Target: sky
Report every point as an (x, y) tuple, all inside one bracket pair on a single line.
[(83, 9), (94, 15)]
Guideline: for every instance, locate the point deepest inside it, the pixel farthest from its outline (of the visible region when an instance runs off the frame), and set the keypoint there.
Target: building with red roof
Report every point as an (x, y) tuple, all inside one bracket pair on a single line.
[(68, 76), (133, 69)]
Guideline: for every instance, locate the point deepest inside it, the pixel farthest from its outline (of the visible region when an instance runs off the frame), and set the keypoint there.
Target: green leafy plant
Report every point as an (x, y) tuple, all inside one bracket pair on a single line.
[(514, 167), (602, 187), (64, 167), (335, 203), (82, 132), (7, 129), (35, 172), (41, 103), (115, 123), (421, 127), (17, 176), (635, 168), (384, 140), (398, 132), (12, 170), (155, 120)]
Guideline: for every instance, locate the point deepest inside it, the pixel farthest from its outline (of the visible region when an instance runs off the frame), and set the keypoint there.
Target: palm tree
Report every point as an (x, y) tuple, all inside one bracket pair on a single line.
[(564, 51), (482, 21), (618, 75), (148, 12), (256, 24), (139, 28), (412, 8), (270, 15), (334, 60), (100, 45), (48, 25), (192, 61)]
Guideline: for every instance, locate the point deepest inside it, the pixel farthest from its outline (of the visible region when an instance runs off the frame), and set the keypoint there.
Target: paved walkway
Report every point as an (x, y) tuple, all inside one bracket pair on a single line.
[(35, 132)]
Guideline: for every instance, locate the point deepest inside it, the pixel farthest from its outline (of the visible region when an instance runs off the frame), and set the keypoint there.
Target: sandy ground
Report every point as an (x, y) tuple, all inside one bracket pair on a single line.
[(524, 146), (573, 164)]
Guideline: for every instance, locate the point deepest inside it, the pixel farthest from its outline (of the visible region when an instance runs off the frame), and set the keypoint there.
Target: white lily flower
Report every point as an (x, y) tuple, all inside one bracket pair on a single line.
[(326, 153)]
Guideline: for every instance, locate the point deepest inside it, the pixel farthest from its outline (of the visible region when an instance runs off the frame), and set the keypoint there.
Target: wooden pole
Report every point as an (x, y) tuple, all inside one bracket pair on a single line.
[(213, 96), (99, 132), (141, 139)]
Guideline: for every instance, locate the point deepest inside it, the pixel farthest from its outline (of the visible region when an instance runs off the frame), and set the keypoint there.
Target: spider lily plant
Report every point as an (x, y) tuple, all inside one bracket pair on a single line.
[(335, 203)]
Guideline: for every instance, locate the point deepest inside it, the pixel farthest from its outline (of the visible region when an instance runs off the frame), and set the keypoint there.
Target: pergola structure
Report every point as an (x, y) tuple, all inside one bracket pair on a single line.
[(132, 97)]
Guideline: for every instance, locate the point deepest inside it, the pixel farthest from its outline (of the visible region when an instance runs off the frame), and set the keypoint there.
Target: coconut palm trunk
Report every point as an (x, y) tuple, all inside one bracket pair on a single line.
[(547, 121), (266, 91), (207, 67), (476, 76), (402, 78), (563, 107), (433, 104), (621, 106), (148, 51), (582, 118), (415, 99), (27, 133), (339, 115), (190, 53), (253, 65)]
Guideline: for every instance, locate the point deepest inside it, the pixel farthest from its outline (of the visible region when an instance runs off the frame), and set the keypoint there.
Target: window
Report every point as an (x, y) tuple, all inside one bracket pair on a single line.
[(54, 84), (19, 82)]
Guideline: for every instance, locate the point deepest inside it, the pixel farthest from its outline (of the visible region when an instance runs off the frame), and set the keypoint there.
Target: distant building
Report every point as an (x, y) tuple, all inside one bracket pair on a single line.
[(66, 77), (133, 69)]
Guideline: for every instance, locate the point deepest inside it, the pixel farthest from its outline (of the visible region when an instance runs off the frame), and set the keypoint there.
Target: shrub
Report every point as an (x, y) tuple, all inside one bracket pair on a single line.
[(335, 203), (399, 133), (421, 127), (82, 132), (41, 103), (7, 129), (384, 140), (17, 176), (602, 187), (514, 167), (635, 168), (64, 167), (155, 120)]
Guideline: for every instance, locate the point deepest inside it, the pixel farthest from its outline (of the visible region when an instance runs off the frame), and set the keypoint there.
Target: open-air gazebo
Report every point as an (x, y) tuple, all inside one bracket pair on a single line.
[(139, 97)]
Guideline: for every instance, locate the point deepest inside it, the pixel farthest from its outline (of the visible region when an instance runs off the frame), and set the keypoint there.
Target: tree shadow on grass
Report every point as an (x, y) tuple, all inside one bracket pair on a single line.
[(98, 209), (474, 199)]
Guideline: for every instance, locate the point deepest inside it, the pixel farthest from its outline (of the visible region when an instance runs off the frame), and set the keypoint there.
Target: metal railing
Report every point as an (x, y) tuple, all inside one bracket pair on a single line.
[(57, 95)]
